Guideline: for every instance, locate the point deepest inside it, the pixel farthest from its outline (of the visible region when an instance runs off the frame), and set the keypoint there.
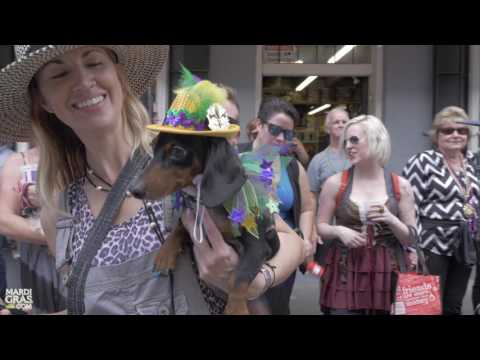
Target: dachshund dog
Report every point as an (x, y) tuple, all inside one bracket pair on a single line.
[(177, 161)]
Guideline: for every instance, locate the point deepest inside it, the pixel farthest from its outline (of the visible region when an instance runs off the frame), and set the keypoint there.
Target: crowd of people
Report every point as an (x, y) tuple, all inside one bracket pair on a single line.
[(85, 245)]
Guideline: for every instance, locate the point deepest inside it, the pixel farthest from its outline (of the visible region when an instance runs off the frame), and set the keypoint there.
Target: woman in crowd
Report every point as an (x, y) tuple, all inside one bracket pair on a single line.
[(446, 194), (90, 128), (276, 123), (20, 221), (375, 221)]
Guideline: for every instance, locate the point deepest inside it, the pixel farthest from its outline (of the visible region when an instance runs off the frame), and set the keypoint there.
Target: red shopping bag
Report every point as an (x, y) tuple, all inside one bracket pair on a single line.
[(417, 294)]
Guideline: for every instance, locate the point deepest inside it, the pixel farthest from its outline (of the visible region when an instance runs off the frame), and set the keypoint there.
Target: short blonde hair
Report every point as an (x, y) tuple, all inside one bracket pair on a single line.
[(379, 144), (450, 114)]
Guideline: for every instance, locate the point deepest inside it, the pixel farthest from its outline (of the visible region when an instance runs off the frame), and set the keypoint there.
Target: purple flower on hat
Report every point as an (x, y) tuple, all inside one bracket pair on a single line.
[(188, 123), (237, 216), (200, 127), (169, 119)]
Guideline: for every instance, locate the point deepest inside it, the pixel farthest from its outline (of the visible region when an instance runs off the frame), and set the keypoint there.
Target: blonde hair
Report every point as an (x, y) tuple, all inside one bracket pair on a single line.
[(63, 155), (450, 114), (379, 144)]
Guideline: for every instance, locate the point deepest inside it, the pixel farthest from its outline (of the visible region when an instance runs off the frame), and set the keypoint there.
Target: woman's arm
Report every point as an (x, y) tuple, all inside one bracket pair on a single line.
[(307, 214), (216, 263), (48, 218), (12, 224), (326, 212)]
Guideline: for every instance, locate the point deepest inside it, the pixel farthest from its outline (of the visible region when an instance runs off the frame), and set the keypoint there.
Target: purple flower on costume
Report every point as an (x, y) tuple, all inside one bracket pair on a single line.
[(266, 164), (285, 149), (237, 216), (266, 176), (178, 201)]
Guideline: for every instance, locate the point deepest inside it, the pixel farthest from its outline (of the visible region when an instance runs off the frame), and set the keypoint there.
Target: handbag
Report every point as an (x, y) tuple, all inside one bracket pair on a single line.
[(418, 293)]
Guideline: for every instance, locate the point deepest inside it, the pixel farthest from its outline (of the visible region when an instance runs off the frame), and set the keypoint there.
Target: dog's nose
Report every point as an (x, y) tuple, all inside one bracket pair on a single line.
[(138, 192)]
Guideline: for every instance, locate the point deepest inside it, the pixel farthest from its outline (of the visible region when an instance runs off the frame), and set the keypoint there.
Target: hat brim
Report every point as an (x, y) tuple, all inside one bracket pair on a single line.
[(142, 64), (470, 123), (228, 133)]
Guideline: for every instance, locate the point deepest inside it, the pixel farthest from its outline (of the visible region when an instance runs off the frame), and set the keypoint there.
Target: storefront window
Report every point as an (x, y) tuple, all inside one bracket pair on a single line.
[(315, 100), (317, 54)]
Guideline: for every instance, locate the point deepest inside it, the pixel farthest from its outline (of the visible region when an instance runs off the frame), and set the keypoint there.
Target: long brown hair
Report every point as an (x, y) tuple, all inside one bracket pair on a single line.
[(62, 153)]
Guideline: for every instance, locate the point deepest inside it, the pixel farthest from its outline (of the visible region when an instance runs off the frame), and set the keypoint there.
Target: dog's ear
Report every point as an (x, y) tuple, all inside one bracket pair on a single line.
[(223, 175)]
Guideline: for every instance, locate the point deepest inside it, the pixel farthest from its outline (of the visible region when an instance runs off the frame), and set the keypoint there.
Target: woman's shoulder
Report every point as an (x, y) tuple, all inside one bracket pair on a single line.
[(421, 160)]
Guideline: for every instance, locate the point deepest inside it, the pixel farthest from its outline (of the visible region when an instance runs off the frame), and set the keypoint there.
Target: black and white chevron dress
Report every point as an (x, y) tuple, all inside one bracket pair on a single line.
[(438, 197)]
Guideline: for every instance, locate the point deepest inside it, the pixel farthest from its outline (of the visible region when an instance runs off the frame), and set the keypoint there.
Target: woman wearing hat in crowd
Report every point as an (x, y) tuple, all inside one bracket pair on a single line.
[(446, 194), (90, 127), (375, 220), (275, 126)]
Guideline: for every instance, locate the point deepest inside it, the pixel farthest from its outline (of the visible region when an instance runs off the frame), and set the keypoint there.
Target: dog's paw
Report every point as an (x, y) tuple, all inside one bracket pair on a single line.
[(236, 307), (165, 260)]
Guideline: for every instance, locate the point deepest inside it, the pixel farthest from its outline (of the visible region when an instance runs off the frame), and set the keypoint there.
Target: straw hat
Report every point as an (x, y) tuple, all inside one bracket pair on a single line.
[(197, 110), (142, 64)]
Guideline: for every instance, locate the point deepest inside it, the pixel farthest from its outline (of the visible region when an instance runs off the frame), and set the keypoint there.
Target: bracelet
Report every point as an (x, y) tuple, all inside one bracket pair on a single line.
[(268, 272)]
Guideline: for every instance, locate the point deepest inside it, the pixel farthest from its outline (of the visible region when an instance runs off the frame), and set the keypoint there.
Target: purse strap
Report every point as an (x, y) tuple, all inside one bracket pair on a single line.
[(81, 268), (422, 263)]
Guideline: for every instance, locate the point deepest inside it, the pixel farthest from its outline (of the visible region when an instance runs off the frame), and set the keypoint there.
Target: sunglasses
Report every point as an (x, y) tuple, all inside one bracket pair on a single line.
[(450, 131), (276, 130), (354, 140)]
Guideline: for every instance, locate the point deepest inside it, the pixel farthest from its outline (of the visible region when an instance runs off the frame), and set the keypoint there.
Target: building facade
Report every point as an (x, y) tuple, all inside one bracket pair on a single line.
[(404, 85)]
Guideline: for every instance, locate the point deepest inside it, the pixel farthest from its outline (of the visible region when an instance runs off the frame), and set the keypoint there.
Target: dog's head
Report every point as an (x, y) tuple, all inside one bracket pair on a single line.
[(178, 159)]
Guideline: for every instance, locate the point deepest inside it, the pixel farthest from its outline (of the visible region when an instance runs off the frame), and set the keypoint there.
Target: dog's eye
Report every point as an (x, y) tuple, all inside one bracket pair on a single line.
[(178, 153)]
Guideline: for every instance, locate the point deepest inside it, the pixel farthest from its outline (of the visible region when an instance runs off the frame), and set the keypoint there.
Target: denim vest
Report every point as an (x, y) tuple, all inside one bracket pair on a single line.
[(130, 288)]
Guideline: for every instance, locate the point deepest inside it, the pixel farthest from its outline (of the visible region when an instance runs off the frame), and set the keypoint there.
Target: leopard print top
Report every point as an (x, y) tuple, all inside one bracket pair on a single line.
[(127, 241)]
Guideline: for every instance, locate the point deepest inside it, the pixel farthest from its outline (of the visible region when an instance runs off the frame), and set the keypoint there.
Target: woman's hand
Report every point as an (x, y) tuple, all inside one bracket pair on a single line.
[(381, 214), (351, 238), (216, 262), (32, 196), (413, 259)]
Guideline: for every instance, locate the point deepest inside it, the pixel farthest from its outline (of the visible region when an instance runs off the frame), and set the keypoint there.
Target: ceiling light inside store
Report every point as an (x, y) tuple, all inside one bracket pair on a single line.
[(321, 108), (305, 83), (341, 53)]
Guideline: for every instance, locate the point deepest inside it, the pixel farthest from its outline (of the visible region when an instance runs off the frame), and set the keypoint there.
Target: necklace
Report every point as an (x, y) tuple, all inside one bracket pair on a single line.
[(468, 209), (147, 204), (331, 163)]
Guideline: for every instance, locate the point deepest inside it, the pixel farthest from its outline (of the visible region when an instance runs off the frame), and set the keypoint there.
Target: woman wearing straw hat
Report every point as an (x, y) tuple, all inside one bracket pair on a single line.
[(90, 129)]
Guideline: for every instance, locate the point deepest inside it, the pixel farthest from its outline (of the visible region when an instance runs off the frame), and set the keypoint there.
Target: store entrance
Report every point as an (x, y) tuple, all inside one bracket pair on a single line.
[(313, 97)]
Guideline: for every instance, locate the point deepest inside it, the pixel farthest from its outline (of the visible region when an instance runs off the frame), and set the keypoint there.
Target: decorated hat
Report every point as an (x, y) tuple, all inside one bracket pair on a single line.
[(142, 65), (197, 110)]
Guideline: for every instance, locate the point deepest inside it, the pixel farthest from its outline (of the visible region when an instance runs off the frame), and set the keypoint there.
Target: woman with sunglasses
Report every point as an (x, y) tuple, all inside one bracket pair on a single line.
[(375, 219), (446, 194), (275, 126)]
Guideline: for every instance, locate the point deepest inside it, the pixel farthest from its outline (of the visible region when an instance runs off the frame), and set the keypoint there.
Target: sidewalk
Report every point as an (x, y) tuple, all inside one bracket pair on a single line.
[(306, 293)]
